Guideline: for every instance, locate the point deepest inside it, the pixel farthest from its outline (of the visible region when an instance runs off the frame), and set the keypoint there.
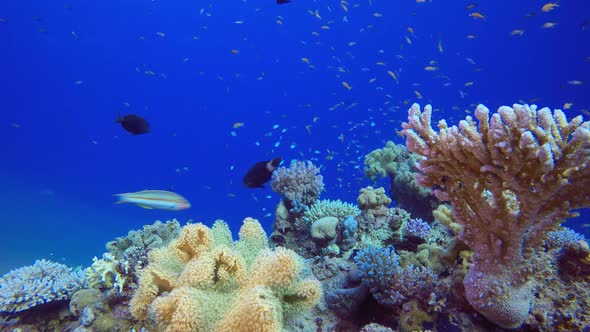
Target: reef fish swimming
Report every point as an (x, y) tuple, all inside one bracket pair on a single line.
[(134, 124), (155, 199), (260, 173)]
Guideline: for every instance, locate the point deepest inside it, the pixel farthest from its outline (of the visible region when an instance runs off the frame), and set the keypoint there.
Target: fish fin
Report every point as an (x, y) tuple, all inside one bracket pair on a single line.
[(119, 118), (145, 206), (122, 198)]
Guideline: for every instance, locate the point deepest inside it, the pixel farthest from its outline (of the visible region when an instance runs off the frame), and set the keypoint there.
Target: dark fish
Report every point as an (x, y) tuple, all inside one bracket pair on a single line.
[(280, 2), (134, 124), (260, 173)]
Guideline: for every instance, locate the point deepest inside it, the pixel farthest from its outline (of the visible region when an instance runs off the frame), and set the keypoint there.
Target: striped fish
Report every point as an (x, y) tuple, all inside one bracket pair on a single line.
[(155, 199)]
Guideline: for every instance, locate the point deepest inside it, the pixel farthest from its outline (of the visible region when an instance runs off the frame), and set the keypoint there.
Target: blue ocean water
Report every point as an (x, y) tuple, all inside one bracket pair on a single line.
[(193, 69)]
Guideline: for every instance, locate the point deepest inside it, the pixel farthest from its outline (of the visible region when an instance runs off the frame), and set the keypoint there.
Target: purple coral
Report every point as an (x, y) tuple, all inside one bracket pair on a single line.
[(390, 284), (300, 184), (418, 228)]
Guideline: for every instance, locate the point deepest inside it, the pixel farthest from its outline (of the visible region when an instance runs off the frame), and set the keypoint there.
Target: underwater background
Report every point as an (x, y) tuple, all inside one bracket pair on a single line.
[(197, 69)]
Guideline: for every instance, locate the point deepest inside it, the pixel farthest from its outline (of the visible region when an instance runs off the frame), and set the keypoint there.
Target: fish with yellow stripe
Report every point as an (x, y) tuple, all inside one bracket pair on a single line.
[(155, 199)]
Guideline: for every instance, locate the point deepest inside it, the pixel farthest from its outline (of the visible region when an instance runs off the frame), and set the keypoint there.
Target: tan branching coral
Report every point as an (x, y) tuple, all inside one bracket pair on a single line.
[(509, 181), (203, 281)]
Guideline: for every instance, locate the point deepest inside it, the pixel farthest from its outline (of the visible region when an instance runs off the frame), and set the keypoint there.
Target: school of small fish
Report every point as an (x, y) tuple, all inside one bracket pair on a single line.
[(393, 76)]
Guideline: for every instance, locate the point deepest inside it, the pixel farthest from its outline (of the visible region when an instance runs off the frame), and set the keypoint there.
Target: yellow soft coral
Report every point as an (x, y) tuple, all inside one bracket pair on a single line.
[(255, 310), (195, 284), (194, 240), (510, 181)]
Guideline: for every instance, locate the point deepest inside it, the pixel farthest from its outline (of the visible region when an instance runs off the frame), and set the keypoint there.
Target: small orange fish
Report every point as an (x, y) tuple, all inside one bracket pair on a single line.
[(549, 7), (549, 25), (478, 16), (346, 85), (238, 125), (430, 68)]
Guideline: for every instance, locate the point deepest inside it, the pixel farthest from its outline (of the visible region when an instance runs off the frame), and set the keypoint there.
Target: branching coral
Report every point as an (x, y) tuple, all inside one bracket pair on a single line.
[(150, 237), (203, 281), (510, 181), (390, 284), (37, 284), (301, 184), (329, 208)]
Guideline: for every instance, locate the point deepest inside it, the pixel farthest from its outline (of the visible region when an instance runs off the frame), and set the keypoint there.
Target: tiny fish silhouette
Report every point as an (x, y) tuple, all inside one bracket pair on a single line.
[(280, 2), (260, 173), (134, 124)]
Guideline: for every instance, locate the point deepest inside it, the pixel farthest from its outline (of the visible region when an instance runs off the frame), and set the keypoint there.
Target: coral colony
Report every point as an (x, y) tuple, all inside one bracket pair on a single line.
[(494, 258)]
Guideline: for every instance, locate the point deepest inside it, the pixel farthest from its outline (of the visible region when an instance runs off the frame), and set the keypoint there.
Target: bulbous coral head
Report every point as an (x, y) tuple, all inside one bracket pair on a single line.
[(498, 297), (304, 295), (276, 269), (180, 311), (194, 240), (255, 310)]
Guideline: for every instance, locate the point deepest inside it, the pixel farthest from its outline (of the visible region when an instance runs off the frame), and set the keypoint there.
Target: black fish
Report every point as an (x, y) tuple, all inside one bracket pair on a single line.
[(134, 124), (260, 173), (280, 2)]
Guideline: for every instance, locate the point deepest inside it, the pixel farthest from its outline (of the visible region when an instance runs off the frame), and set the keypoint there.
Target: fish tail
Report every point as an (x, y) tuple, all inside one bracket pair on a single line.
[(122, 198)]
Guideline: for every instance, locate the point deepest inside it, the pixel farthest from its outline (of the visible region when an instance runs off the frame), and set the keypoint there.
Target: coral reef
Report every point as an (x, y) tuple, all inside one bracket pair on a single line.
[(105, 273), (395, 161), (150, 237), (202, 281), (510, 181), (300, 184), (370, 198), (43, 282), (329, 208)]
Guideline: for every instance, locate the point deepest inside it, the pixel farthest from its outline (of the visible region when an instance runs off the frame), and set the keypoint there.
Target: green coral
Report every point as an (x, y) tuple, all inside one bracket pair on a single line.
[(395, 161), (330, 208), (150, 237)]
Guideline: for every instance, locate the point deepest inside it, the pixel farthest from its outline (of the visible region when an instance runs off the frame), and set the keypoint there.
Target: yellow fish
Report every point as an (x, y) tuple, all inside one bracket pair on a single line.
[(238, 125), (155, 199), (549, 6)]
